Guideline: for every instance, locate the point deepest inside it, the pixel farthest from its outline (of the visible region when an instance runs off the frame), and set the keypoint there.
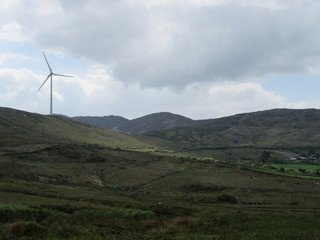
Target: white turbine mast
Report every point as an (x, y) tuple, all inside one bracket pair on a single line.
[(50, 76)]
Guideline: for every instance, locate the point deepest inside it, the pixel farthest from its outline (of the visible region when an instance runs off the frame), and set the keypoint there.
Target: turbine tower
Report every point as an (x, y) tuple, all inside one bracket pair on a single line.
[(50, 76)]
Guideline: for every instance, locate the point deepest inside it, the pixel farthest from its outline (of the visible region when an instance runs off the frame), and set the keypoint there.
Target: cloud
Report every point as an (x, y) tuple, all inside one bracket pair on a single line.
[(199, 101), (198, 58), (97, 81), (235, 97), (18, 88), (12, 56), (176, 43), (98, 93), (12, 32), (15, 81)]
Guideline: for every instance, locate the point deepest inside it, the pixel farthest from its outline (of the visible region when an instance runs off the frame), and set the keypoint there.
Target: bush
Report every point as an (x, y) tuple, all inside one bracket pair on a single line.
[(204, 188), (9, 213), (227, 199), (113, 212), (162, 210), (21, 228), (302, 170)]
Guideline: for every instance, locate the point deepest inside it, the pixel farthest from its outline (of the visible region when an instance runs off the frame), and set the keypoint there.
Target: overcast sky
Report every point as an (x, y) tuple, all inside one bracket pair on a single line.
[(198, 58)]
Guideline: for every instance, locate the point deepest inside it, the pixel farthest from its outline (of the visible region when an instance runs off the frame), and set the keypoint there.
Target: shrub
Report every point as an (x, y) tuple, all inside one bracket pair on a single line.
[(204, 188), (302, 170), (21, 228), (317, 172), (10, 212), (15, 228), (162, 210), (227, 199), (113, 212)]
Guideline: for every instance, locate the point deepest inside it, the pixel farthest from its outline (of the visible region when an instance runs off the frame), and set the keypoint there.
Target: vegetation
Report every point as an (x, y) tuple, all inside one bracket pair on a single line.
[(293, 170), (153, 122), (93, 192), (19, 127), (85, 225), (73, 181), (227, 198), (107, 122), (278, 128)]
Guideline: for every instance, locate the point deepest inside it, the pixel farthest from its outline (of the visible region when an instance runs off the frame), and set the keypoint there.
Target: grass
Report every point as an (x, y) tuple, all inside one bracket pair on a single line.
[(76, 182), (118, 223), (307, 171), (277, 172), (19, 127), (308, 167)]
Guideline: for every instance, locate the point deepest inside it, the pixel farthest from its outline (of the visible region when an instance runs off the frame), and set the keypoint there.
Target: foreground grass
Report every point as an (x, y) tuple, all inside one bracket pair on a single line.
[(67, 222), (88, 191)]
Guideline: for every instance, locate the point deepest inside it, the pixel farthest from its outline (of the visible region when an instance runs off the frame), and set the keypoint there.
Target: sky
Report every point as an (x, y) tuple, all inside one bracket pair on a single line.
[(198, 58)]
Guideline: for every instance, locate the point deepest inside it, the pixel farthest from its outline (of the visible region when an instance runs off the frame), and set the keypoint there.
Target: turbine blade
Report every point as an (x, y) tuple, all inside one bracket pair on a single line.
[(61, 75), (47, 62), (44, 81)]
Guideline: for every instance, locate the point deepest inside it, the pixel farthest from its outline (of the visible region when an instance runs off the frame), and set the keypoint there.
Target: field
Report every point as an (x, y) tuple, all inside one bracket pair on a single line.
[(65, 180), (90, 191), (310, 171), (310, 168)]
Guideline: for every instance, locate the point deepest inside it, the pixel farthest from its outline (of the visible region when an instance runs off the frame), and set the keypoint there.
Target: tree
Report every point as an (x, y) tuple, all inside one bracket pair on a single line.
[(265, 156)]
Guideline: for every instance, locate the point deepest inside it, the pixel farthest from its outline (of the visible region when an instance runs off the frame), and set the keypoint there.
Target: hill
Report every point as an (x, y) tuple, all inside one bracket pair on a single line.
[(20, 127), (107, 122), (61, 179), (271, 128), (153, 122)]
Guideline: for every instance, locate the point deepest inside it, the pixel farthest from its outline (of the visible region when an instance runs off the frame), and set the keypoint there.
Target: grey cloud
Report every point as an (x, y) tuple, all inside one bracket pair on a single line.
[(175, 45)]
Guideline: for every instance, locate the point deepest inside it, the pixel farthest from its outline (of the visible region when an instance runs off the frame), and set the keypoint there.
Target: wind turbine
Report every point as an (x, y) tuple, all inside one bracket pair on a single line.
[(50, 76)]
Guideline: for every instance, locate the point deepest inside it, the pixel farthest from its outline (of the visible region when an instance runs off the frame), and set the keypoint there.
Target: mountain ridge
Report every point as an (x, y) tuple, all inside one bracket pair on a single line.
[(153, 122), (272, 128), (150, 122), (166, 120), (107, 122), (275, 128)]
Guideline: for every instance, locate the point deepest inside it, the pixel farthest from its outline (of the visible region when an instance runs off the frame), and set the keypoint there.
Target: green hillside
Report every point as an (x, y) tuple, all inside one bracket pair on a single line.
[(73, 191), (278, 128), (153, 122), (107, 122), (150, 122), (20, 127), (60, 179)]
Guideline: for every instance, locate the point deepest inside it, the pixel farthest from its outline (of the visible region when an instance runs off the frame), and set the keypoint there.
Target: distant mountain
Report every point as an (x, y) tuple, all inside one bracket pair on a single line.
[(271, 128), (108, 122), (278, 128), (153, 122)]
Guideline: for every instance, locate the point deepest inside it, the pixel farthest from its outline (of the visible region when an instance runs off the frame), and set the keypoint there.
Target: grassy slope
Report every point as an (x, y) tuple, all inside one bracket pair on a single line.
[(246, 136), (75, 191), (69, 182), (296, 167), (19, 127), (279, 128), (153, 122), (107, 122), (292, 170)]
